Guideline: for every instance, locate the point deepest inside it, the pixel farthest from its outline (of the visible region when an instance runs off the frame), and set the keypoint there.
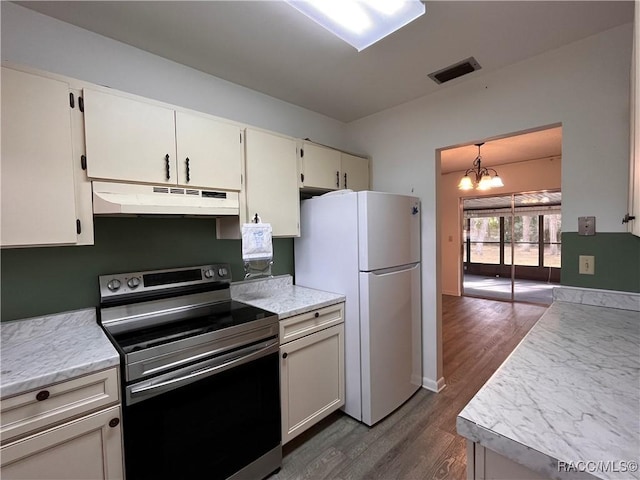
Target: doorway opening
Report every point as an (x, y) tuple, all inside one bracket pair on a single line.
[(529, 164), (512, 246)]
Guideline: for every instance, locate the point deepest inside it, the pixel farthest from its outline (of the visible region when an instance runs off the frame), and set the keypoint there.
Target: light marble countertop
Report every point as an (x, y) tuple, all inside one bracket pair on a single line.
[(279, 295), (44, 350), (569, 392)]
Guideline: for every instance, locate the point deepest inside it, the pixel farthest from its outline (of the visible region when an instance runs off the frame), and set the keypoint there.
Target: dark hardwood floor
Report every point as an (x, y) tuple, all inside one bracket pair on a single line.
[(419, 440)]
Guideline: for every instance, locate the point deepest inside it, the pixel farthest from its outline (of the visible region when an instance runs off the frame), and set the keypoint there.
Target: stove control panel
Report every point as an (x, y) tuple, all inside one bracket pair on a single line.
[(121, 284)]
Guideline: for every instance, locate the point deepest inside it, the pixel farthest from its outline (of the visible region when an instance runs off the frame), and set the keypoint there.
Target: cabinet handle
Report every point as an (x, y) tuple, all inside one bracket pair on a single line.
[(42, 395), (166, 160), (188, 172), (114, 422), (338, 179), (316, 314), (345, 180), (285, 355)]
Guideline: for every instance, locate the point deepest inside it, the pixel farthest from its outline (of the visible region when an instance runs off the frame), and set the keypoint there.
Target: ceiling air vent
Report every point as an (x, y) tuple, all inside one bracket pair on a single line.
[(456, 70)]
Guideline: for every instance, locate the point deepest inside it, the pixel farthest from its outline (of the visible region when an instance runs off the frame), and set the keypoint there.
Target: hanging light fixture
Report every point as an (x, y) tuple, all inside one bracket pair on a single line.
[(482, 178)]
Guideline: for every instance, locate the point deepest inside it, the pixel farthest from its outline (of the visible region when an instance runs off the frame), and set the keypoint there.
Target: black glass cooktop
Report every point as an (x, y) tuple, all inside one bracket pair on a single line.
[(197, 321)]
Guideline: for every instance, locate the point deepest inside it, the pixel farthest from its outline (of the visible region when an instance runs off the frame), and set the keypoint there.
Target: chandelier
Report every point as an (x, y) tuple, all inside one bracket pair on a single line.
[(482, 178)]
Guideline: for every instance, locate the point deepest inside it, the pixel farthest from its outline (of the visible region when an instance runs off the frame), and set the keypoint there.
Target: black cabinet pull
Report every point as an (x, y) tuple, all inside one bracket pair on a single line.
[(338, 179), (166, 159), (345, 180), (627, 218), (42, 395), (78, 226), (114, 422), (316, 314), (188, 171), (285, 355)]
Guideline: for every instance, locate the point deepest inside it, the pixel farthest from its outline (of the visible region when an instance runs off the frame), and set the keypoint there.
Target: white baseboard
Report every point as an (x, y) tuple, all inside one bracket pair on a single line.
[(432, 385)]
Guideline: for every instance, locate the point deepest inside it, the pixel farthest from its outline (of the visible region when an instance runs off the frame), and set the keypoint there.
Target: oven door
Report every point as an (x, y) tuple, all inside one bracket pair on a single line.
[(209, 420)]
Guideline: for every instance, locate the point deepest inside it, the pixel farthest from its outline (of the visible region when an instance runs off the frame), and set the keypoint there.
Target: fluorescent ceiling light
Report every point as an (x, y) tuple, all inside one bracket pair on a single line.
[(360, 23)]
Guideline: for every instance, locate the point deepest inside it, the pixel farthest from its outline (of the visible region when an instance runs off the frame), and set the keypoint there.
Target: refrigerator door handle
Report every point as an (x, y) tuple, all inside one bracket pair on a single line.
[(401, 268)]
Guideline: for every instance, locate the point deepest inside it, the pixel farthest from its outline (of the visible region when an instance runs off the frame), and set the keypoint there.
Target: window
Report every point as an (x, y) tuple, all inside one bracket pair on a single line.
[(536, 240), (484, 235), (552, 244)]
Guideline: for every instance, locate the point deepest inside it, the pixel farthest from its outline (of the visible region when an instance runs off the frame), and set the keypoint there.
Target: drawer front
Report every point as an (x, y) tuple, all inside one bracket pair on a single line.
[(46, 406), (308, 323)]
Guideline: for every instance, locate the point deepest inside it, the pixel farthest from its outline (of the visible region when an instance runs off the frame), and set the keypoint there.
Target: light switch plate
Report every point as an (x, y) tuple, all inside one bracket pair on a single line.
[(586, 265), (586, 225)]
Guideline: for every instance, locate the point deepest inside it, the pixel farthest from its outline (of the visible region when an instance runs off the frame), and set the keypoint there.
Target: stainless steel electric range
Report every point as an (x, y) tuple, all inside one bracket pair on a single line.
[(200, 378)]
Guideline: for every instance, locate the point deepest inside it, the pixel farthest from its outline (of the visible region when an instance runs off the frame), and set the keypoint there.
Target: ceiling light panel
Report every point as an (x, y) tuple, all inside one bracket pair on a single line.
[(361, 23)]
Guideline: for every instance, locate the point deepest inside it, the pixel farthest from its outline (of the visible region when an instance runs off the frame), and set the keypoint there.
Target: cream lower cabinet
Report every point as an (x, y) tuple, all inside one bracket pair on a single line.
[(70, 430), (311, 368), (485, 464), (87, 448)]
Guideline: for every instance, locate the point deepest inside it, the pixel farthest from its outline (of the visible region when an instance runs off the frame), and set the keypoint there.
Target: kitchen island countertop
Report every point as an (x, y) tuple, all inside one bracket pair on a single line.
[(45, 350), (569, 393), (279, 295)]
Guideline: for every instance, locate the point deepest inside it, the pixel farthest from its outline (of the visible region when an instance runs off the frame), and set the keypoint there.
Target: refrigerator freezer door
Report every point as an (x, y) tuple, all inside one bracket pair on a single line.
[(390, 335), (389, 230)]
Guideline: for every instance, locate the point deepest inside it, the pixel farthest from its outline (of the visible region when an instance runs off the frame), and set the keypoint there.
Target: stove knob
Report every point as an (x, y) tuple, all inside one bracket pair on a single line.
[(114, 284), (133, 282), (209, 273), (222, 272)]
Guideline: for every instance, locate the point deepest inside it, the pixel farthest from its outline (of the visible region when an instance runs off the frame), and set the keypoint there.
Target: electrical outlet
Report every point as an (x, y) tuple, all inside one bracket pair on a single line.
[(587, 265)]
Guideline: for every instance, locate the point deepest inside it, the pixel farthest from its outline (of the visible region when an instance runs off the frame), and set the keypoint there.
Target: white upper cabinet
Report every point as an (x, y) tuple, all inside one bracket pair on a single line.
[(209, 152), (272, 181), (634, 167), (129, 140), (320, 167), (38, 191), (354, 172), (324, 168), (137, 141)]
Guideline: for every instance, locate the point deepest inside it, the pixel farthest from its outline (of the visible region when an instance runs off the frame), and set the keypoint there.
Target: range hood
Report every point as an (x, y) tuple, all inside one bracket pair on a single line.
[(133, 199)]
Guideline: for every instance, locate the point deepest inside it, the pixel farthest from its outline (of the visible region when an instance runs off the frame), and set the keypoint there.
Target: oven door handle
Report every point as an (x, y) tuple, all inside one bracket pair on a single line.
[(145, 391)]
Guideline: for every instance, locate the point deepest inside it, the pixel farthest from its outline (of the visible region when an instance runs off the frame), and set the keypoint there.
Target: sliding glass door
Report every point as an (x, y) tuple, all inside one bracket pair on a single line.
[(512, 246)]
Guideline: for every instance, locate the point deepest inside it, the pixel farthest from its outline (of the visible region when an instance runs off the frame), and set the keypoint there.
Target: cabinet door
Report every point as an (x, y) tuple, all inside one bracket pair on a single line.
[(321, 167), (634, 167), (209, 152), (38, 200), (87, 448), (272, 181), (485, 464), (128, 139), (354, 173), (311, 379)]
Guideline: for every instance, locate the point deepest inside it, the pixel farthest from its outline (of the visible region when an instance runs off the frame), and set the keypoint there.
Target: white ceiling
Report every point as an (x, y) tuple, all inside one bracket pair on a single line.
[(519, 148), (270, 47)]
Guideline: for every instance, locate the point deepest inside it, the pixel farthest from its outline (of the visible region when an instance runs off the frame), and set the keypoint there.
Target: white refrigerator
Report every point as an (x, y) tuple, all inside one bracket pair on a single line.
[(366, 245)]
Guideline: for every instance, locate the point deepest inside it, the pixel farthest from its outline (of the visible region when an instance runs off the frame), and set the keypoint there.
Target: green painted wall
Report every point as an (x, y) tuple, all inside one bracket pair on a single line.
[(617, 261), (37, 281)]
